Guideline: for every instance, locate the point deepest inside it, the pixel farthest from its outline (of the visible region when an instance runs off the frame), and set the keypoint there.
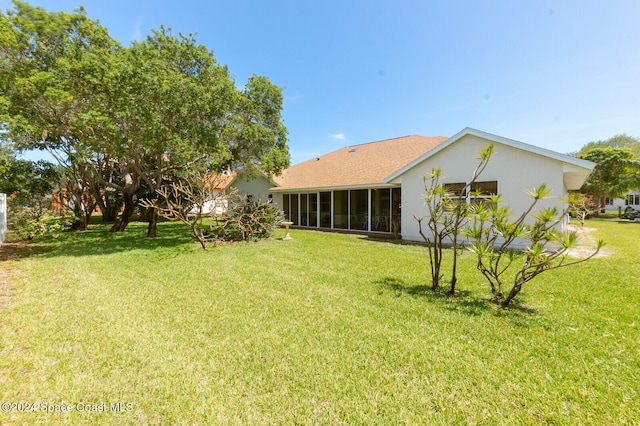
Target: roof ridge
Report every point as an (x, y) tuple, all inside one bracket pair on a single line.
[(390, 139)]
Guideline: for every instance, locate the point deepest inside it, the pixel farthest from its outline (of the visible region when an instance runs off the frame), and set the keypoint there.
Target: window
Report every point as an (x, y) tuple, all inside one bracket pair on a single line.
[(482, 191), (359, 209), (381, 210), (396, 210), (304, 210), (294, 209), (633, 199), (456, 189), (341, 209), (325, 210), (313, 210)]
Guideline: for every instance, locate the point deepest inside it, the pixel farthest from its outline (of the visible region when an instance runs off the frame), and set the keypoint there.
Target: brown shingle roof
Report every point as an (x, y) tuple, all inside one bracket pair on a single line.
[(355, 165), (220, 181)]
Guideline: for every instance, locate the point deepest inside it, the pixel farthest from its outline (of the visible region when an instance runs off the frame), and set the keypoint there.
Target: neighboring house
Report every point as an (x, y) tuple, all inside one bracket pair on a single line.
[(632, 198), (255, 189), (378, 187)]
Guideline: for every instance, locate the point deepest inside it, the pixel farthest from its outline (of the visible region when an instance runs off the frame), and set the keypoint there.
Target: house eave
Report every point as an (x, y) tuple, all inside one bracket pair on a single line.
[(333, 188), (568, 161)]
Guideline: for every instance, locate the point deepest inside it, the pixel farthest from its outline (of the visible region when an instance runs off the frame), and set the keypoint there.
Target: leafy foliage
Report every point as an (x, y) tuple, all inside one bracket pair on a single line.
[(214, 214), (495, 237), (616, 172), (118, 118), (581, 205), (618, 141), (447, 214)]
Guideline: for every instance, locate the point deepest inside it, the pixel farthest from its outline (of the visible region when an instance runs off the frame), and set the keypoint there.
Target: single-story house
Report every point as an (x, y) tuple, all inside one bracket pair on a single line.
[(631, 199), (256, 188), (378, 187)]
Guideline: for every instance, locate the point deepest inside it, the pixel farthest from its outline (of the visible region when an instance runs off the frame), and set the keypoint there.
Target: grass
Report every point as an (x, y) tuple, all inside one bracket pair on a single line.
[(324, 329)]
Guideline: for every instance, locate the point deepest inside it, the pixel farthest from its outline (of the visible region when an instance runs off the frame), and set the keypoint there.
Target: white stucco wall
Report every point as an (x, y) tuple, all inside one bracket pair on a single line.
[(258, 187), (277, 199), (515, 170)]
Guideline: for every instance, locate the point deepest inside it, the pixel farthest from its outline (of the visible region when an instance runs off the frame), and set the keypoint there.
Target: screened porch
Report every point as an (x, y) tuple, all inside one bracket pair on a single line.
[(369, 209)]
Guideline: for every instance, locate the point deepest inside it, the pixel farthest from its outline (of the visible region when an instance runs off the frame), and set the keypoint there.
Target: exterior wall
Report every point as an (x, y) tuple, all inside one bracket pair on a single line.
[(217, 205), (515, 170), (618, 204), (258, 188), (277, 199)]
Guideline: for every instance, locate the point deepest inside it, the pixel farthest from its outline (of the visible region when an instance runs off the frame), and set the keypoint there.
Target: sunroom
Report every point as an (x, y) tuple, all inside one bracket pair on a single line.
[(375, 210)]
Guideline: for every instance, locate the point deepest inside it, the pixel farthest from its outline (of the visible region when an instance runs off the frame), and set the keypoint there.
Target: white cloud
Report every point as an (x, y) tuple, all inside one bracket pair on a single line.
[(338, 136)]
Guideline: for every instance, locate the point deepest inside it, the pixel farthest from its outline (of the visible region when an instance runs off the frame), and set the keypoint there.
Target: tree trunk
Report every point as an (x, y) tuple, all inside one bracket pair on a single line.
[(109, 214), (126, 214), (109, 206), (153, 222), (454, 268), (512, 294), (81, 220), (79, 224), (437, 263)]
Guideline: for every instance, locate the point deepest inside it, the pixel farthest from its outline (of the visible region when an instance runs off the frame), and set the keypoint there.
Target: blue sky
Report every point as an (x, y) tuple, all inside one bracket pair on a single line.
[(556, 74)]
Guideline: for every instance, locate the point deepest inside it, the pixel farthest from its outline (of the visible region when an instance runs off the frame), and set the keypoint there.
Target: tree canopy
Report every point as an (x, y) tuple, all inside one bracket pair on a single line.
[(618, 141), (120, 117), (617, 171)]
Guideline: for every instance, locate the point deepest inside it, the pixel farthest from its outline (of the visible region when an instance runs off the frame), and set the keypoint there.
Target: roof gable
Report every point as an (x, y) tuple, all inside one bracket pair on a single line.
[(357, 165), (570, 163)]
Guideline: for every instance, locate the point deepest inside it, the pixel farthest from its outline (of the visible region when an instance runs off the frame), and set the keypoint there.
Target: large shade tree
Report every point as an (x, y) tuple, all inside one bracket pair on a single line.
[(176, 109), (51, 89), (119, 117), (617, 171)]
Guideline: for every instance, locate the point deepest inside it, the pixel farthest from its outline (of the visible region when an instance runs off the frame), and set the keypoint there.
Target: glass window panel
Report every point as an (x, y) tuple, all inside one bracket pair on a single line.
[(341, 209), (456, 189), (313, 210), (304, 210), (325, 209), (294, 208), (485, 188), (381, 210), (359, 209)]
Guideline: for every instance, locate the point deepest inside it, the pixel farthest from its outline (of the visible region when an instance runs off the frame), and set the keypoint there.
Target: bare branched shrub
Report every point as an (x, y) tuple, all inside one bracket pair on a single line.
[(190, 201), (213, 213), (246, 219)]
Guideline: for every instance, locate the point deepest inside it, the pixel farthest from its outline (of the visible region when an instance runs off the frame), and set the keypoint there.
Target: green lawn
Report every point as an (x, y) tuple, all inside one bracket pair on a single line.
[(325, 329)]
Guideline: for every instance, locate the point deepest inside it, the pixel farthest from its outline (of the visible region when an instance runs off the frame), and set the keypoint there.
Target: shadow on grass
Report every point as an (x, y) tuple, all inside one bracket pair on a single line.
[(15, 249), (461, 301), (97, 240)]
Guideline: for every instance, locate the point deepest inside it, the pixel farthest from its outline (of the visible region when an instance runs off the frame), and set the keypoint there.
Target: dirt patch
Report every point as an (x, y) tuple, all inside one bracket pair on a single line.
[(9, 250), (587, 243)]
